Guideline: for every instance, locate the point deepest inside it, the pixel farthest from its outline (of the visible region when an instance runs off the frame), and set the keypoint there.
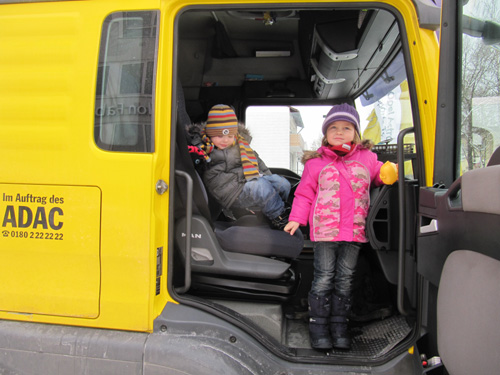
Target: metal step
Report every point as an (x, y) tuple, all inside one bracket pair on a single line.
[(369, 341)]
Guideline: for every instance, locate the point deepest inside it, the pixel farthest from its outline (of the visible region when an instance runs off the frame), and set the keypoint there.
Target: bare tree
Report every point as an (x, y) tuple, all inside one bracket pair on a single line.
[(316, 143), (480, 78)]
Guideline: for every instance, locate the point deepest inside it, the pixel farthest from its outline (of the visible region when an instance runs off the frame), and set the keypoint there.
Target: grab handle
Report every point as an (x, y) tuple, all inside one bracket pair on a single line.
[(189, 215), (430, 228), (402, 220)]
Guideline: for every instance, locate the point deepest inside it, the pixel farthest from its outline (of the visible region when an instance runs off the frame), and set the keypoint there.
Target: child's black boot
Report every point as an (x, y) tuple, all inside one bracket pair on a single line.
[(319, 312), (341, 307)]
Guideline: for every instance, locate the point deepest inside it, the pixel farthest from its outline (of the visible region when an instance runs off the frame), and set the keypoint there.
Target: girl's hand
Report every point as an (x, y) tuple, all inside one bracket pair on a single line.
[(291, 227)]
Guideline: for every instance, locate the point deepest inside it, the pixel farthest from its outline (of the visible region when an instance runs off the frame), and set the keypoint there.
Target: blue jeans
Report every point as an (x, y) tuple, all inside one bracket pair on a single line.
[(334, 266), (267, 193)]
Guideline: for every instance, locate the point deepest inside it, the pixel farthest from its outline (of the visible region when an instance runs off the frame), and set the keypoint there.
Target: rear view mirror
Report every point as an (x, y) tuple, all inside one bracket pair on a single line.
[(488, 31)]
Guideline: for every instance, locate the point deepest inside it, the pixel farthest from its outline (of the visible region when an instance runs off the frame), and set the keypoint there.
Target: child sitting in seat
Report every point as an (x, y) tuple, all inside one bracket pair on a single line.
[(235, 174)]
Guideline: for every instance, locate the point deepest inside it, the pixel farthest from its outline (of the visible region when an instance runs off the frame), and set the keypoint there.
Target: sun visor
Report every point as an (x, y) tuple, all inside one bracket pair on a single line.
[(390, 79)]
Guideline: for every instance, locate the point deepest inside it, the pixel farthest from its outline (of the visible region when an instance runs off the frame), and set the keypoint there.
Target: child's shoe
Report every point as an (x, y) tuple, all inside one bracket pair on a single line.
[(281, 221)]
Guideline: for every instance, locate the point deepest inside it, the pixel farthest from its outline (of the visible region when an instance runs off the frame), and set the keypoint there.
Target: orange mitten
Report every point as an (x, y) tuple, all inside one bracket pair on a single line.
[(389, 173)]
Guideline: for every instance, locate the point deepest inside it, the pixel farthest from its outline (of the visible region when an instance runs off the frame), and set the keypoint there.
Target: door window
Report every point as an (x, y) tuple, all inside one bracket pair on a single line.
[(480, 91), (124, 109)]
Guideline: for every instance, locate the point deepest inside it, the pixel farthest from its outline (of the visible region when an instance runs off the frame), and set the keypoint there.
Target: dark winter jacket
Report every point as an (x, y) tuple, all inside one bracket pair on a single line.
[(224, 177)]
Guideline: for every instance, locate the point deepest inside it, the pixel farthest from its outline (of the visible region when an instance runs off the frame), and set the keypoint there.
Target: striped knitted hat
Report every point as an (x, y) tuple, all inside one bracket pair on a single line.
[(340, 112), (221, 121)]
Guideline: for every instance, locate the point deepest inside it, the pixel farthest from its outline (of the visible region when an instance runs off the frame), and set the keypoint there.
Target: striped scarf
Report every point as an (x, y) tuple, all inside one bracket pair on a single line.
[(206, 144), (248, 159)]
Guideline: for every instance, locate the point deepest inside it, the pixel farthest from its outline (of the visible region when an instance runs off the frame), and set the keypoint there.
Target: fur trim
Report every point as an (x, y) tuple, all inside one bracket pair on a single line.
[(194, 131), (367, 143), (308, 155), (244, 132)]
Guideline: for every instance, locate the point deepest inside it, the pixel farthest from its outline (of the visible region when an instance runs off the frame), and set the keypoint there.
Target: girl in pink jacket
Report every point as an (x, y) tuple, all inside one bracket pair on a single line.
[(333, 197)]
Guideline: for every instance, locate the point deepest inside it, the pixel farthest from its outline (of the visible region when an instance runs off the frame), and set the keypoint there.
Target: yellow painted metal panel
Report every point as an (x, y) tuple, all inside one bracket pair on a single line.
[(50, 249), (49, 54)]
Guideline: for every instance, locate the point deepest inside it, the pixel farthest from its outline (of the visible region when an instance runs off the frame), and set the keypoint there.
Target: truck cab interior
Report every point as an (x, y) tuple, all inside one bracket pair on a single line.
[(150, 274), (298, 57)]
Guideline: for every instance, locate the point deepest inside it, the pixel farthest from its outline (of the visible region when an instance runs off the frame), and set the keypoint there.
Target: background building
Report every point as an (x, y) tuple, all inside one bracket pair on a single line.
[(276, 136)]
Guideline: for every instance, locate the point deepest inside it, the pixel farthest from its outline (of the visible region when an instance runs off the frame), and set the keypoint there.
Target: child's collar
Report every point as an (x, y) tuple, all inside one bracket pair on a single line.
[(343, 149)]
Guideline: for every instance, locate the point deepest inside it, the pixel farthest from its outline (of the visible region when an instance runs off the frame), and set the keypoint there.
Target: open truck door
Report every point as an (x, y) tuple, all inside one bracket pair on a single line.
[(458, 241)]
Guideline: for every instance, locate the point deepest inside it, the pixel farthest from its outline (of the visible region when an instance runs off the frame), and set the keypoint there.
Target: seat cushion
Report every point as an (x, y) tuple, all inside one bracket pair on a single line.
[(468, 313), (258, 240)]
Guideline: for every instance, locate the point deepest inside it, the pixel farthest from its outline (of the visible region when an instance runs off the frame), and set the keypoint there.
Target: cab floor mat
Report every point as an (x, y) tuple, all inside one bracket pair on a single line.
[(370, 341)]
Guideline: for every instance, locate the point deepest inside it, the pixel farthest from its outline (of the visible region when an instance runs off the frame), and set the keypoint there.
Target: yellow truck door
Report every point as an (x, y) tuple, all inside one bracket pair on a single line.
[(80, 162)]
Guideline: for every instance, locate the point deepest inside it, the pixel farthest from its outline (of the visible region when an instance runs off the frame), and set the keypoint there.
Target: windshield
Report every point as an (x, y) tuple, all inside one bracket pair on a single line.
[(281, 134)]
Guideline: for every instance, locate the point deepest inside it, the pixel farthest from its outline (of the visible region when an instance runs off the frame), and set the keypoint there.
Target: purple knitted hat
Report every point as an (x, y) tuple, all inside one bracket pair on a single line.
[(344, 112)]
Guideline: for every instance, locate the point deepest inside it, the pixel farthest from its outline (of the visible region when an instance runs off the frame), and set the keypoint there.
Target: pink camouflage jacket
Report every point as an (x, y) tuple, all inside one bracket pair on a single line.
[(334, 194)]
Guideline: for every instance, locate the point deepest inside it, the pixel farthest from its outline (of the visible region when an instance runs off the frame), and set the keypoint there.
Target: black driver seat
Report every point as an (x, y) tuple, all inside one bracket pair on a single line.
[(244, 257)]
